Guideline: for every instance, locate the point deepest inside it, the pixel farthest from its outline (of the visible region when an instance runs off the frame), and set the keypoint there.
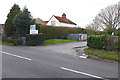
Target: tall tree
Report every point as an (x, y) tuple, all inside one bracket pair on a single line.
[(9, 27), (108, 18), (93, 26), (22, 22)]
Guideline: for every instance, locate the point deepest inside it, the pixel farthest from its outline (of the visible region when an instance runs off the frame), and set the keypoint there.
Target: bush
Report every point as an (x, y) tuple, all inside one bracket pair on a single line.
[(17, 41), (58, 32), (101, 33), (117, 33), (111, 43), (11, 40), (31, 39), (35, 39), (95, 41), (105, 42)]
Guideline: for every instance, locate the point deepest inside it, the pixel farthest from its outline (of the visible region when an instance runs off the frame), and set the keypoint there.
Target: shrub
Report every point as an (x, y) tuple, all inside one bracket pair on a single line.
[(58, 32), (105, 42), (101, 33), (11, 40), (7, 39), (95, 41), (35, 39), (117, 33), (111, 43), (17, 41)]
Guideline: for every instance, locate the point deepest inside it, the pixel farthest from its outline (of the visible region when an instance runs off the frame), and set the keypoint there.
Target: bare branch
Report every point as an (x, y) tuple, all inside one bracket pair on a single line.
[(108, 17)]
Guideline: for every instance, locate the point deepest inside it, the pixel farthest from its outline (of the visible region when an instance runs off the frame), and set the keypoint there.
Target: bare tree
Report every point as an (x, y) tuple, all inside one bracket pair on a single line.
[(119, 15), (95, 26), (108, 18)]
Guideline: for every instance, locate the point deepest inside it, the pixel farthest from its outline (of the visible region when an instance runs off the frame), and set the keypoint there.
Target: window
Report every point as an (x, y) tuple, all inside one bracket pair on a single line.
[(53, 23)]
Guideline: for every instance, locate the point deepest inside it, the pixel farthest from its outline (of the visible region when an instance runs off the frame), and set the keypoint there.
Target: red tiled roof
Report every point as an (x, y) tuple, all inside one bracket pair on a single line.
[(64, 20), (45, 22), (38, 20)]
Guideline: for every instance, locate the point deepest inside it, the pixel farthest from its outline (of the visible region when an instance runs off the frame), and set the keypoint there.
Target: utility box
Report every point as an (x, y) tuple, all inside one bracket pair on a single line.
[(23, 40), (77, 37)]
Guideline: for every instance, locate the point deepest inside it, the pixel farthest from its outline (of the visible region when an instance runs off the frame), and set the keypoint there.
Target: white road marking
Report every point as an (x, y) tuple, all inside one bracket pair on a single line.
[(83, 57), (17, 56), (82, 73)]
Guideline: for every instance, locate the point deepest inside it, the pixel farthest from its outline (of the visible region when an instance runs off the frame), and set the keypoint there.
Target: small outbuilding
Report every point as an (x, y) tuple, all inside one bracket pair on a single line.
[(77, 37)]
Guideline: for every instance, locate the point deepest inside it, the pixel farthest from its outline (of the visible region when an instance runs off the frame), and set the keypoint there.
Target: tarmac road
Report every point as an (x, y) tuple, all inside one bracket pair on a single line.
[(52, 61)]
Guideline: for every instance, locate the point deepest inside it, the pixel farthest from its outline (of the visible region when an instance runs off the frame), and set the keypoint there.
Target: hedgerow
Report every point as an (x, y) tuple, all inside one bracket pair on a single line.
[(35, 39), (105, 42), (59, 32)]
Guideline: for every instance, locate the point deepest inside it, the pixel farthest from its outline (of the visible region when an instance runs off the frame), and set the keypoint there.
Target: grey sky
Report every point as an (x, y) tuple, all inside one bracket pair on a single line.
[(81, 12)]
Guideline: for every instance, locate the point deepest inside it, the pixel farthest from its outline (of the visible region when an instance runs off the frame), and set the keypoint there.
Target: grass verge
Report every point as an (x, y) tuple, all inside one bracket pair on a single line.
[(47, 42), (55, 41), (103, 55), (6, 43)]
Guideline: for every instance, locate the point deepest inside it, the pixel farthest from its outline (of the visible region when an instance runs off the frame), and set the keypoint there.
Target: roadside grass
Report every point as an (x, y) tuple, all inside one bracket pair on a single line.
[(46, 42), (6, 43), (55, 41), (102, 54)]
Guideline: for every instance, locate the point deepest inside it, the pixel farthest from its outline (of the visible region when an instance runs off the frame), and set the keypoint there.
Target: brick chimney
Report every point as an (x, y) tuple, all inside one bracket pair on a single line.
[(64, 15)]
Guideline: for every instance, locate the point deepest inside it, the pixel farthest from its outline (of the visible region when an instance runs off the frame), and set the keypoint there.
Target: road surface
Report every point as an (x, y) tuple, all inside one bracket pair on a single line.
[(47, 62)]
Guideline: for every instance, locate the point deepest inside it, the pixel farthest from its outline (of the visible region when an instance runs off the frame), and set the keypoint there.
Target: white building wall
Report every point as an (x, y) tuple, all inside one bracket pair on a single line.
[(67, 25), (57, 23)]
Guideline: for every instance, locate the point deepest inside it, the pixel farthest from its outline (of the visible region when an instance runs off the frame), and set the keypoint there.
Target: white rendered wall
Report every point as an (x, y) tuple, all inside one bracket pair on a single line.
[(53, 19), (57, 23), (67, 25)]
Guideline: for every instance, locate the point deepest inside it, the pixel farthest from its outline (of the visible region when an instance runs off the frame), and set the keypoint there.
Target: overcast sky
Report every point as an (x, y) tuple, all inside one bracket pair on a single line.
[(82, 12)]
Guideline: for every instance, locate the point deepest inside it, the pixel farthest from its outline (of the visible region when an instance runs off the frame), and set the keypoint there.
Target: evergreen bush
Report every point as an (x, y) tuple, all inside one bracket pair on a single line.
[(111, 43), (95, 41), (13, 41), (117, 33), (59, 32), (105, 42), (35, 39)]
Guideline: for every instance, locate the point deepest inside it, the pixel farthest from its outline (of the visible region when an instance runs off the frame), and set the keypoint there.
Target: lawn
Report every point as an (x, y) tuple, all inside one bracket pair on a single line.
[(47, 42), (6, 43), (55, 41), (111, 55)]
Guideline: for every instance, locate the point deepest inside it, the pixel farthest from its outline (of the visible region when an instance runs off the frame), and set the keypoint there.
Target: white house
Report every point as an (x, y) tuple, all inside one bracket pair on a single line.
[(61, 21)]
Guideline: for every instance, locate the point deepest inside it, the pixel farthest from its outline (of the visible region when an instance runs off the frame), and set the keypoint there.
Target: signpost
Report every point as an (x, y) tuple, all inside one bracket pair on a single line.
[(33, 29)]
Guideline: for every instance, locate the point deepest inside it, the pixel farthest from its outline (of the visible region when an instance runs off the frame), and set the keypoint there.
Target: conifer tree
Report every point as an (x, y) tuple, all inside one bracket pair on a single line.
[(22, 22), (9, 27)]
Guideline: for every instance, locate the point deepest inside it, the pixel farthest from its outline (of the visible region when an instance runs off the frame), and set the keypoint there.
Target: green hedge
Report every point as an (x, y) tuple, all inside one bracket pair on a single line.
[(101, 33), (13, 41), (105, 42), (35, 39), (112, 43), (95, 41), (31, 39), (117, 33), (58, 32), (17, 41)]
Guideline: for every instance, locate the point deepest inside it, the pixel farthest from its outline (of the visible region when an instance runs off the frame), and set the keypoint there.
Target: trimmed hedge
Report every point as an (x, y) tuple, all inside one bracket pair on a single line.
[(17, 41), (35, 39), (112, 43), (105, 42), (101, 33), (117, 33), (95, 41), (59, 32), (13, 41)]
